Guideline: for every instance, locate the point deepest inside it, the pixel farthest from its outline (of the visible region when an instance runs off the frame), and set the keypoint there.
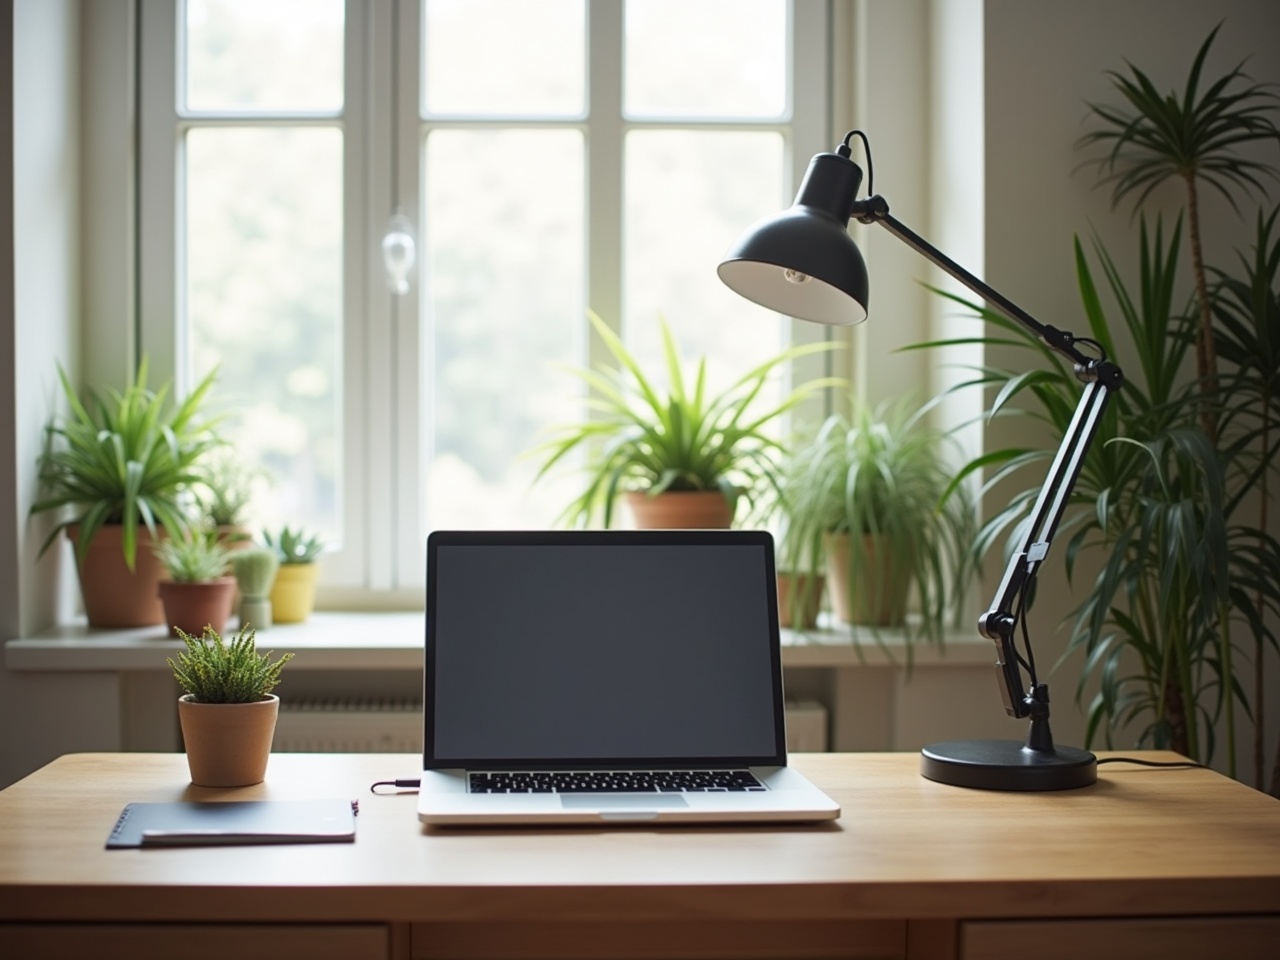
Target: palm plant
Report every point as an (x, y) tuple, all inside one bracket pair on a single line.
[(124, 457), (643, 438), (1194, 138)]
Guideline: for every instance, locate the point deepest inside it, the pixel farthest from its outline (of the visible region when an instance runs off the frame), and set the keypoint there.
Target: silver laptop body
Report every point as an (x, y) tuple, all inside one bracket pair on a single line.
[(605, 677)]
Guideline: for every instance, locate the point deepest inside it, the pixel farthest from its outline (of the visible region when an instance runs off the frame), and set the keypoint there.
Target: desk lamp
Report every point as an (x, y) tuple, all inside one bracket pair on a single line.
[(804, 264)]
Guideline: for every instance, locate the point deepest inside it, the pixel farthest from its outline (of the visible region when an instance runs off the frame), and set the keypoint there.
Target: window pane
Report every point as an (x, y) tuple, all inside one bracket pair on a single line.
[(689, 196), (254, 56), (713, 58), (504, 302), (264, 302), (504, 57)]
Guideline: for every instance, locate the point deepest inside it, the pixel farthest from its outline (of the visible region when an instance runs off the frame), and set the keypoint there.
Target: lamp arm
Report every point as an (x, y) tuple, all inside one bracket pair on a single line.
[(1101, 379)]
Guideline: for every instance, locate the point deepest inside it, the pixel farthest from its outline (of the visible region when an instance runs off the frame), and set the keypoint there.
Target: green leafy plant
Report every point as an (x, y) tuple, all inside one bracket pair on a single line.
[(196, 557), (1194, 138), (213, 670), (645, 439), (124, 457), (255, 570), (294, 546), (881, 473), (226, 489)]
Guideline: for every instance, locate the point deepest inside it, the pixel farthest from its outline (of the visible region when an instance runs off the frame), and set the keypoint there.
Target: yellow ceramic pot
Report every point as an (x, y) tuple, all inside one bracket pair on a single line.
[(293, 596)]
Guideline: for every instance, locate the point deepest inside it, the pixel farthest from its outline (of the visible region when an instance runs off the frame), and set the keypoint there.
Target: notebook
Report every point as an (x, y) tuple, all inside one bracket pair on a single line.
[(606, 677), (190, 824)]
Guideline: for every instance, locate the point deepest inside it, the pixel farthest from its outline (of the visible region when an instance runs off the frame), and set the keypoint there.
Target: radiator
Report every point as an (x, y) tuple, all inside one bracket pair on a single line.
[(387, 725), (349, 725)]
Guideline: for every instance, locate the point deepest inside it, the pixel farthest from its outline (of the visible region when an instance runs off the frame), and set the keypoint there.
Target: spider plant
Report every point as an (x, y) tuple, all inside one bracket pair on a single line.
[(126, 457), (866, 496), (683, 438)]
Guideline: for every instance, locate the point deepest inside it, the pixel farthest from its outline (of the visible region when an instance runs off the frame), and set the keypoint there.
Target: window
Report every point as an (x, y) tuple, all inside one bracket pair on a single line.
[(526, 161)]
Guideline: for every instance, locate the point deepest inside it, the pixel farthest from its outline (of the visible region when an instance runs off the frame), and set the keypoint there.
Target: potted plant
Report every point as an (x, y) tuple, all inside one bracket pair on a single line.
[(198, 592), (228, 713), (681, 457), (224, 494), (866, 499), (123, 464), (255, 570), (293, 595), (1172, 497)]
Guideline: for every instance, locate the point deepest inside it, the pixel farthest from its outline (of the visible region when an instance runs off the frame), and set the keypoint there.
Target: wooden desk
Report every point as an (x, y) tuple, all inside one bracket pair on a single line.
[(1149, 862)]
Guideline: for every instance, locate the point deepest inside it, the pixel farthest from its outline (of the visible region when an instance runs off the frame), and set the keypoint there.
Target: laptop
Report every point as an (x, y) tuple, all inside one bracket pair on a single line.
[(606, 677)]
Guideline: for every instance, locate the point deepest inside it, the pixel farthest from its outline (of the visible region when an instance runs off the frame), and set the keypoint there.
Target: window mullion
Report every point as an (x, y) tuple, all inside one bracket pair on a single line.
[(158, 204), (605, 132)]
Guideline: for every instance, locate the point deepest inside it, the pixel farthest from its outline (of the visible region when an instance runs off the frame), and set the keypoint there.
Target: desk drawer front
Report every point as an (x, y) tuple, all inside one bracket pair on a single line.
[(165, 941), (687, 939), (1166, 938)]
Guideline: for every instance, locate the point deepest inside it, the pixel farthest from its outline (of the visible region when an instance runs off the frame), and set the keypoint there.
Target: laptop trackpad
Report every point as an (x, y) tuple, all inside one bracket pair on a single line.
[(622, 801)]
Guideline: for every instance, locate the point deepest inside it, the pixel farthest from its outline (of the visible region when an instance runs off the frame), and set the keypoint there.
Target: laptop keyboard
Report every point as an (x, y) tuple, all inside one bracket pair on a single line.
[(613, 781)]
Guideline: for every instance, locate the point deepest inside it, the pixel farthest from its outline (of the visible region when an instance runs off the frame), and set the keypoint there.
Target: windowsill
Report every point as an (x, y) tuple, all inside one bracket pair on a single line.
[(331, 640)]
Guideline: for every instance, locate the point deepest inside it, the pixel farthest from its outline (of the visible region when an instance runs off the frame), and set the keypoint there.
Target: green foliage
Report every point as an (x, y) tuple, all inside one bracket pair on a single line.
[(882, 471), (1194, 136), (195, 557), (683, 439), (226, 489), (124, 458), (255, 569), (294, 546), (212, 670)]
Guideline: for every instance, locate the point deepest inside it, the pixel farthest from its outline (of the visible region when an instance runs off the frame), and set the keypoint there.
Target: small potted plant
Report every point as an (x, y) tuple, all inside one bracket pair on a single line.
[(228, 713), (681, 458), (120, 468), (255, 570), (198, 592), (224, 494), (293, 594), (870, 494)]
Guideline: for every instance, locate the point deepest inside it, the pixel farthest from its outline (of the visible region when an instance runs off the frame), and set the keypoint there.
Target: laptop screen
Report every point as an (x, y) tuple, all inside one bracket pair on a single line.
[(580, 648)]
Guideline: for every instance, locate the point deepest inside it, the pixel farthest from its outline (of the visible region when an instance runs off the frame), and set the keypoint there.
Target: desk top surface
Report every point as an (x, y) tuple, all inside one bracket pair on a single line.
[(1142, 840)]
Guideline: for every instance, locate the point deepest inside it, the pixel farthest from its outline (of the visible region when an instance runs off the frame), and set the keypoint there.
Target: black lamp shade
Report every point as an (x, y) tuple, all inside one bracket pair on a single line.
[(802, 262)]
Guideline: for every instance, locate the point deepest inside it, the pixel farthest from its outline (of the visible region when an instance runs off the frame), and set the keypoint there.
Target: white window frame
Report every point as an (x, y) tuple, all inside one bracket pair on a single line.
[(381, 560)]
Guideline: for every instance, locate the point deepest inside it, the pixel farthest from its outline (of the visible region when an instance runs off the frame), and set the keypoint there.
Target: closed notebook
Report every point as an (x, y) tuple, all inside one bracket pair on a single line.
[(182, 824)]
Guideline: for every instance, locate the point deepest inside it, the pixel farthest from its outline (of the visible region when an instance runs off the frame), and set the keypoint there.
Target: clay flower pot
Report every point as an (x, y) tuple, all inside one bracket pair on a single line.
[(228, 744), (681, 510), (115, 596), (191, 607)]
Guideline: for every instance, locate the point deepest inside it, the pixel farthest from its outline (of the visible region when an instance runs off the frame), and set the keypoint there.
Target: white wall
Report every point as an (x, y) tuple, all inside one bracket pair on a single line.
[(39, 325)]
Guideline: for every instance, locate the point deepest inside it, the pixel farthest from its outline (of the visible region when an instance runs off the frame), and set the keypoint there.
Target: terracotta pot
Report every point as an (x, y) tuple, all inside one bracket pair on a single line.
[(228, 744), (293, 595), (115, 596), (681, 510), (879, 597), (193, 606), (799, 593)]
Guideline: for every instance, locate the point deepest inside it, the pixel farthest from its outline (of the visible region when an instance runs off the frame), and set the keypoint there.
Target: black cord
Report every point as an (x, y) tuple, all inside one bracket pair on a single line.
[(866, 149), (397, 784), (1155, 763)]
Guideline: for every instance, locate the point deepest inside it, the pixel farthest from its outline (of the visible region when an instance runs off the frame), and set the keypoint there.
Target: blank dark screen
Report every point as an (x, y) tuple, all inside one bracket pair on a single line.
[(602, 652)]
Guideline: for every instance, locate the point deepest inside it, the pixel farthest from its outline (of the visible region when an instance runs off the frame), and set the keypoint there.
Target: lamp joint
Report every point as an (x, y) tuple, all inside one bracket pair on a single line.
[(870, 210)]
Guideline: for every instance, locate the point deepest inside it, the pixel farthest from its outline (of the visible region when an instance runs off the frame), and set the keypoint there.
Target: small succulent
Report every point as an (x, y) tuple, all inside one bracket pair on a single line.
[(196, 557), (213, 670), (294, 546), (226, 489)]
